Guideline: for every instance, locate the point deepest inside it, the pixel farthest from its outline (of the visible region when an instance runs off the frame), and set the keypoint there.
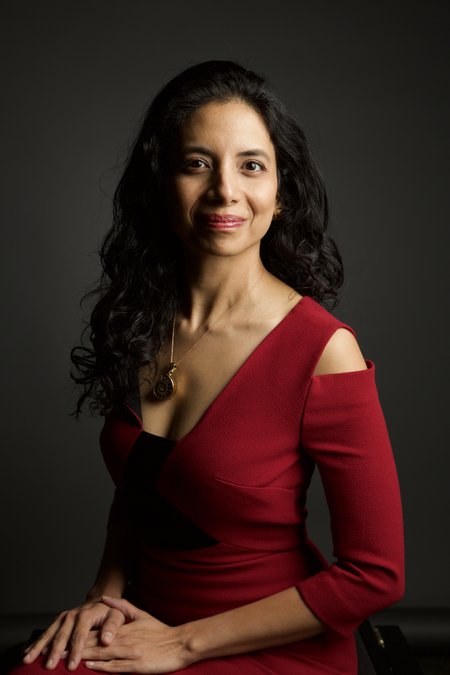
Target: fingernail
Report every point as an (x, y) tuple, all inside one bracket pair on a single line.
[(108, 636), (89, 664), (71, 664), (49, 663)]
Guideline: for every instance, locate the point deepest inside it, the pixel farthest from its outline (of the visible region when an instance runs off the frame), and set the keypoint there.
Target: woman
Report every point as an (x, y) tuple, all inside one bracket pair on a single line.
[(224, 380)]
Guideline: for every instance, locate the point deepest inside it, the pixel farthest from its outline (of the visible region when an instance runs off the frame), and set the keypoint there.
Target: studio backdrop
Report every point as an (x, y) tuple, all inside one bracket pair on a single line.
[(368, 83)]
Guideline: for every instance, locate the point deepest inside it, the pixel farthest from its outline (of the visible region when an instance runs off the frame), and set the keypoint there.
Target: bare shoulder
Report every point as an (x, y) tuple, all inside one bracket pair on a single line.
[(341, 354)]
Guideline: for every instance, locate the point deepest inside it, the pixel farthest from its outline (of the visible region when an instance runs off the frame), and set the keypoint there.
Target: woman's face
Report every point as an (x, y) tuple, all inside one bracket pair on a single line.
[(223, 187)]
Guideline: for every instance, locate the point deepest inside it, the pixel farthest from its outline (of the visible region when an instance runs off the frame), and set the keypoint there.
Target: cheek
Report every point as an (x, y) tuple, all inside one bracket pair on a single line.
[(183, 197), (265, 198)]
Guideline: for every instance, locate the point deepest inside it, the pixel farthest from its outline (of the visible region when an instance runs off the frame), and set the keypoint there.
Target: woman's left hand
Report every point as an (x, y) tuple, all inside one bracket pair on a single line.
[(143, 645)]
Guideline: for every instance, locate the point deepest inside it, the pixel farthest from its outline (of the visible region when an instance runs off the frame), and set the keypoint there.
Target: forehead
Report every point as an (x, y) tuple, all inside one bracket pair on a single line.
[(230, 122)]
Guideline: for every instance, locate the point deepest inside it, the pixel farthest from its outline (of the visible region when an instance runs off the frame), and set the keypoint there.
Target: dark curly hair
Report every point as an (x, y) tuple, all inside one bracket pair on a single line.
[(137, 292)]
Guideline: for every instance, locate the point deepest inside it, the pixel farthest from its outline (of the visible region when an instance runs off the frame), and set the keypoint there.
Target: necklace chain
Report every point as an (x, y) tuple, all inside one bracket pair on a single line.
[(165, 387), (202, 335)]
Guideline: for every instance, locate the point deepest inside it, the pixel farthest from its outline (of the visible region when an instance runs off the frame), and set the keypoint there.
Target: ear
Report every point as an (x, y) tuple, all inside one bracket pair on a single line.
[(277, 210)]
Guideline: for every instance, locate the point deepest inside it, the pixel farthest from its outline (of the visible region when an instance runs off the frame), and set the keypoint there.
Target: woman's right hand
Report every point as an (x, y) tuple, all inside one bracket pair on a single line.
[(68, 632)]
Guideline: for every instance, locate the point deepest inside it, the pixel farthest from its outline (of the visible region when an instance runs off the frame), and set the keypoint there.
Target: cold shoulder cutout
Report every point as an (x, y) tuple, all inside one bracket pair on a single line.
[(341, 354)]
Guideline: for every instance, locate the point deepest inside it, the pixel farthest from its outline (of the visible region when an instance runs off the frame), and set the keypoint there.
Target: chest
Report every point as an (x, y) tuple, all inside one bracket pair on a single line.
[(202, 373)]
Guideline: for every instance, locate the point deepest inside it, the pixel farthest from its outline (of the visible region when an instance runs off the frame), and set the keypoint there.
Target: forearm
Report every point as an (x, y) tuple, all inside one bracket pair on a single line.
[(275, 620)]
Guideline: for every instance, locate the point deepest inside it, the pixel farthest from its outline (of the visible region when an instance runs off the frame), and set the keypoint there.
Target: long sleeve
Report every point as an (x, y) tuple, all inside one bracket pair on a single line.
[(344, 432)]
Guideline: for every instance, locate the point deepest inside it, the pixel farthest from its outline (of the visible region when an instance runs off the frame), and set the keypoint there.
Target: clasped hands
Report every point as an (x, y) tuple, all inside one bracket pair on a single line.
[(113, 636)]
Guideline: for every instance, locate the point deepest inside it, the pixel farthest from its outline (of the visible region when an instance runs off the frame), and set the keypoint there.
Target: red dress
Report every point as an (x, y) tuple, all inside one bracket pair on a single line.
[(237, 484)]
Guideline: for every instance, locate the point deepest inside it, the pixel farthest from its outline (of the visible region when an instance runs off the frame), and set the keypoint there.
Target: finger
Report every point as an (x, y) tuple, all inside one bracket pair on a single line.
[(45, 637), (60, 642), (44, 650), (120, 666), (114, 620), (41, 644), (129, 610), (97, 653), (81, 632), (93, 639)]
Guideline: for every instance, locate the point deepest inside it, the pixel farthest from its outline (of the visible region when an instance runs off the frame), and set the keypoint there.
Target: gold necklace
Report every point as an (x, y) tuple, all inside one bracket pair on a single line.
[(166, 386)]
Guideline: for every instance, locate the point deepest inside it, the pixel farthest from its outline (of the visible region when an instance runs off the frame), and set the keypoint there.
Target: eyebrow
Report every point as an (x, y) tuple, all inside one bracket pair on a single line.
[(245, 153), (252, 153)]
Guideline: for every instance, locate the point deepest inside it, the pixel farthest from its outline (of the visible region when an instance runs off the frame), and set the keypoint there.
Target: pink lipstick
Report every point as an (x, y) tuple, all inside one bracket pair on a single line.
[(225, 222)]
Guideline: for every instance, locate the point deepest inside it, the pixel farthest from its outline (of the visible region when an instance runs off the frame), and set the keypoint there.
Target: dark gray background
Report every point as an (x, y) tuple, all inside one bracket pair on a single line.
[(368, 81)]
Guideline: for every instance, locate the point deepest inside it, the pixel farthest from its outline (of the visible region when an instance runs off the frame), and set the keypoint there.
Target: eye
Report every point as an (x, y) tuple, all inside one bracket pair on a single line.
[(253, 166), (195, 163)]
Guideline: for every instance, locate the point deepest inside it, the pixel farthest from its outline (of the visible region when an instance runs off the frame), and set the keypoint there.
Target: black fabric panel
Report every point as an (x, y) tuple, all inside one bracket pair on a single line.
[(162, 525)]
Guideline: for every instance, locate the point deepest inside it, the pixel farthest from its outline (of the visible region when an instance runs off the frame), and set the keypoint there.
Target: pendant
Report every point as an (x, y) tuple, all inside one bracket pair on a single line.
[(166, 386)]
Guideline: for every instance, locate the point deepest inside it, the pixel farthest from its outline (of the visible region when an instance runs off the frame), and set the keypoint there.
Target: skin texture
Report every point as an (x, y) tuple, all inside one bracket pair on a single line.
[(212, 175), (223, 162)]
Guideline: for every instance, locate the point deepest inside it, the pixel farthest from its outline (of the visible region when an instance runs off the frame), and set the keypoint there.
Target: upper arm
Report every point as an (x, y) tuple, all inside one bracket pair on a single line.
[(341, 354)]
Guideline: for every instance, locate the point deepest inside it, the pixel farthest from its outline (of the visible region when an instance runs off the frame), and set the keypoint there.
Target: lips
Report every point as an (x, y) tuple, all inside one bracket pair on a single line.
[(221, 222)]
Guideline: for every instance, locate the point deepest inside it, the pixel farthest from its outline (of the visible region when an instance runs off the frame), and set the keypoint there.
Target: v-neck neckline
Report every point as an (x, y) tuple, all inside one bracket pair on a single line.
[(227, 385)]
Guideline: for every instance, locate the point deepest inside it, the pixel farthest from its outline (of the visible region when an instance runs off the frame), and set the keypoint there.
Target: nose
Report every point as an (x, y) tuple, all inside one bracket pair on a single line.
[(225, 186)]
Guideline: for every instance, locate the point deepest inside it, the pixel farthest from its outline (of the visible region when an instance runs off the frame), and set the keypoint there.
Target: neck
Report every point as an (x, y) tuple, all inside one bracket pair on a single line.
[(214, 284)]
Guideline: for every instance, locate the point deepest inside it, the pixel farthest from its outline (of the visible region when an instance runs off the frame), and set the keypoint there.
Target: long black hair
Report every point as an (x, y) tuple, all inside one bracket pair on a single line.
[(136, 294)]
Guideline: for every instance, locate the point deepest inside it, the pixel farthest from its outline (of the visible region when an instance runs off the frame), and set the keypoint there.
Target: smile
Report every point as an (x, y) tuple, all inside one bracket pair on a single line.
[(225, 222)]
